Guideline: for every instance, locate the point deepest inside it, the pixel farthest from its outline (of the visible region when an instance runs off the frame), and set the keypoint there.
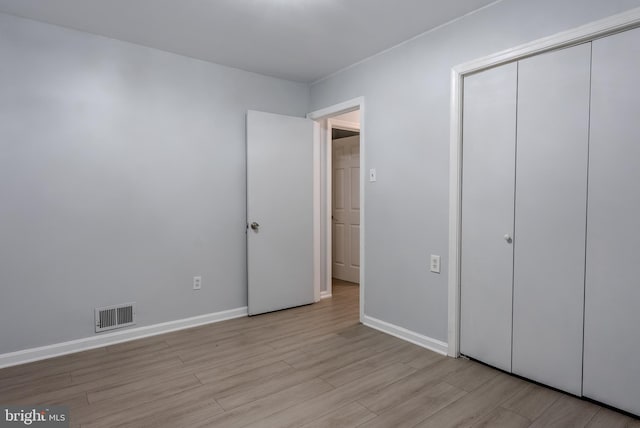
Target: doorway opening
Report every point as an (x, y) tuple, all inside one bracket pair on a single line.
[(345, 198), (341, 189)]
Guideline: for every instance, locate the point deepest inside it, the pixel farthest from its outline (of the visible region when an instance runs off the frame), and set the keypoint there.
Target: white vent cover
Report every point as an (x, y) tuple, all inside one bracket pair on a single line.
[(112, 317)]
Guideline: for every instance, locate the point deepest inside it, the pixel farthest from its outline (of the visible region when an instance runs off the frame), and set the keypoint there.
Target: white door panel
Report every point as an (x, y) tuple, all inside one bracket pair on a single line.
[(339, 245), (280, 201), (346, 209), (355, 189), (487, 215), (338, 188), (612, 294), (355, 247), (550, 217)]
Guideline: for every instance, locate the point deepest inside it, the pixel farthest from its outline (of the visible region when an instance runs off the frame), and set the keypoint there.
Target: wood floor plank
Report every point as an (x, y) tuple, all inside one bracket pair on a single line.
[(330, 361), (503, 418), (220, 355), (397, 392), (380, 342), (259, 410), (472, 377), (469, 409), (140, 383), (132, 365), (419, 407), (241, 365), (184, 416), (48, 367), (324, 404), (158, 412), (226, 389), (532, 401), (134, 399), (567, 411), (323, 343), (424, 359), (69, 395), (260, 388), (331, 351), (351, 415), (289, 341), (363, 367), (606, 418), (358, 331), (28, 388)]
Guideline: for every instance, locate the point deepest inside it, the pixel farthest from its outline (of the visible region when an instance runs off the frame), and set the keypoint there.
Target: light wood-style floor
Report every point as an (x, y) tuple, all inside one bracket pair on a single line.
[(312, 366)]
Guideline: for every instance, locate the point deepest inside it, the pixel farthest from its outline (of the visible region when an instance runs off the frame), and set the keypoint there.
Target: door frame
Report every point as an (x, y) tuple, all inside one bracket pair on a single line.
[(582, 34), (322, 191)]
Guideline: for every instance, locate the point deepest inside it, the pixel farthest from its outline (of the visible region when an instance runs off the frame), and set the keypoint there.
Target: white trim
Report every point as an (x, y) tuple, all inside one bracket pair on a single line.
[(317, 227), (582, 34), (325, 295), (328, 214), (326, 113), (410, 336), (338, 109), (106, 339), (455, 215)]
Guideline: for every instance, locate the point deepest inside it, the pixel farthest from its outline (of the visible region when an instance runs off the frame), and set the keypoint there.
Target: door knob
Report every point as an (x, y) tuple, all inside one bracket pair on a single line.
[(508, 238), (255, 226)]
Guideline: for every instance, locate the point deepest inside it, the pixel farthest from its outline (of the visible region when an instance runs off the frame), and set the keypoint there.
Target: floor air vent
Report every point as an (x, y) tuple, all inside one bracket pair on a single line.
[(112, 317)]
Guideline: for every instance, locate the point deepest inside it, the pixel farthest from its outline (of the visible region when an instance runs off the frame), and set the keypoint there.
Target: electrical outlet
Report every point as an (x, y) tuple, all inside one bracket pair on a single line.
[(197, 282), (372, 175), (435, 264)]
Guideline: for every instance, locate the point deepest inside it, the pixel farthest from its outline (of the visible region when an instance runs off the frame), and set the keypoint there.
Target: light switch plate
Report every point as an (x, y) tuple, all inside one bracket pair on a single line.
[(372, 175), (435, 264)]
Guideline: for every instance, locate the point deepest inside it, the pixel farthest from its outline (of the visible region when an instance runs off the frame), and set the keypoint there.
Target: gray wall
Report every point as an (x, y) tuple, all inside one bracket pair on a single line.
[(406, 134), (122, 175)]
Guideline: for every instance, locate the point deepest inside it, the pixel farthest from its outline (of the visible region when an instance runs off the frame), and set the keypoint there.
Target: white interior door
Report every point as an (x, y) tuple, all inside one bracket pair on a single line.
[(280, 224), (346, 209), (487, 215)]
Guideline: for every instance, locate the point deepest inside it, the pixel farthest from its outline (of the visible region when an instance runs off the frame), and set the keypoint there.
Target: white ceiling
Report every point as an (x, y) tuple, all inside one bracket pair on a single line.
[(300, 40)]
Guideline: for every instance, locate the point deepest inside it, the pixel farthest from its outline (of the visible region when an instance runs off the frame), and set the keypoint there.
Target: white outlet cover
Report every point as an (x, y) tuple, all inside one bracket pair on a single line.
[(197, 282), (372, 175)]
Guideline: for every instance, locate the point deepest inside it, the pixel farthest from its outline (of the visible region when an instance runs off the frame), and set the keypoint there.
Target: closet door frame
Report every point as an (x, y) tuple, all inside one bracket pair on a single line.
[(586, 33)]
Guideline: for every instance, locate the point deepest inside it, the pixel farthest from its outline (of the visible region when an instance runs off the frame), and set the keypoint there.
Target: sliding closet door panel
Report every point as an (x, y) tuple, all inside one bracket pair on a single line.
[(487, 215), (612, 295), (550, 217)]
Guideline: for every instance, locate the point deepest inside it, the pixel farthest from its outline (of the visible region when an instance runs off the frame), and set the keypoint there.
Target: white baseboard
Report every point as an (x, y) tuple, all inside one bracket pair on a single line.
[(105, 339), (408, 335), (325, 294)]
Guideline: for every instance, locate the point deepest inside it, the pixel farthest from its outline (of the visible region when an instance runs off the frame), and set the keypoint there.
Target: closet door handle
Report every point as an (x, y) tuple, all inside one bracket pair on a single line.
[(508, 238)]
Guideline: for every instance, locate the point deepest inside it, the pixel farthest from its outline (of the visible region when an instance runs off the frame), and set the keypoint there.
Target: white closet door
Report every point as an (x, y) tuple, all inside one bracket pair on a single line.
[(487, 215), (612, 295), (550, 217)]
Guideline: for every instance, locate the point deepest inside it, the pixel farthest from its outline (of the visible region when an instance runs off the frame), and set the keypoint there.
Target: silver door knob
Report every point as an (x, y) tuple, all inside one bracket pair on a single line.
[(508, 238), (255, 226)]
